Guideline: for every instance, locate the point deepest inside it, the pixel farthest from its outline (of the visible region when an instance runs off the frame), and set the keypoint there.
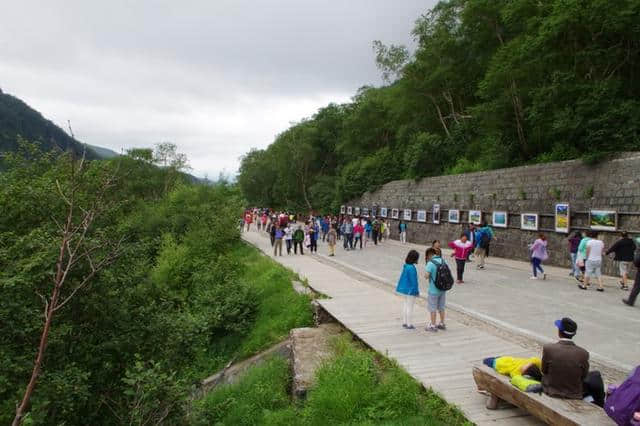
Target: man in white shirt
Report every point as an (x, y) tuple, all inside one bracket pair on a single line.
[(593, 262)]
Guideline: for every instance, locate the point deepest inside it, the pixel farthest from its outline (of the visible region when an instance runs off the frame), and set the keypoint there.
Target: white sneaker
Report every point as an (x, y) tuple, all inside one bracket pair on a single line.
[(533, 278)]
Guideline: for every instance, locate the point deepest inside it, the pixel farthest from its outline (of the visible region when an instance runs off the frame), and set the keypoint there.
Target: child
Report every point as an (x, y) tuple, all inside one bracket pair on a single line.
[(461, 249), (436, 298), (538, 255), (408, 286), (332, 239)]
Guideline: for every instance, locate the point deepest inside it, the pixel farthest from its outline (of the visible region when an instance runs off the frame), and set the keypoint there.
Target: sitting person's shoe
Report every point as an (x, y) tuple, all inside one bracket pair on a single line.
[(537, 388)]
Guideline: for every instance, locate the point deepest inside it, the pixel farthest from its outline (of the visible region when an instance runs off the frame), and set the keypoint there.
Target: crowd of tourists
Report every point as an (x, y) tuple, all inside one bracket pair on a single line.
[(563, 369)]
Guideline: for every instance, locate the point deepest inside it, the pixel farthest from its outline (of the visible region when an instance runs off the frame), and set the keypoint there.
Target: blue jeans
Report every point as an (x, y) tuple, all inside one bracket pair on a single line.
[(536, 266), (575, 271)]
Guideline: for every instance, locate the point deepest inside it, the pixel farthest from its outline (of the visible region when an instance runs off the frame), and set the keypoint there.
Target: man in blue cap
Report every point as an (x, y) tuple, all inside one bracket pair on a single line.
[(565, 367)]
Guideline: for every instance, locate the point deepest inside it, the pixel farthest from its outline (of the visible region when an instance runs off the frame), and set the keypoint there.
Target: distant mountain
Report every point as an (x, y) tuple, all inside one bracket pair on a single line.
[(102, 152), (19, 119)]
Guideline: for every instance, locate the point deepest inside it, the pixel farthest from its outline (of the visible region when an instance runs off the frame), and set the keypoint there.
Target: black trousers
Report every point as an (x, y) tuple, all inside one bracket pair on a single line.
[(460, 268), (295, 247), (273, 239), (633, 295), (314, 245), (594, 386), (288, 242), (375, 237)]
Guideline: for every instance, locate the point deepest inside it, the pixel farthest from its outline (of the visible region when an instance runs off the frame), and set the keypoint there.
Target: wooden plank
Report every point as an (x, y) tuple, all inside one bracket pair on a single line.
[(553, 411)]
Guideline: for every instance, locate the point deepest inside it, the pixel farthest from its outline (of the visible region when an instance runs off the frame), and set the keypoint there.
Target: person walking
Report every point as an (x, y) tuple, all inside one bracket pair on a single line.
[(272, 233), (631, 300), (593, 262), (461, 248), (358, 232), (436, 298), (314, 234), (248, 218), (324, 223), (375, 230), (348, 234), (278, 236), (623, 250), (288, 236), (574, 243), (332, 239), (387, 230), (408, 287), (484, 236), (382, 231), (538, 255), (471, 237), (402, 230), (298, 240), (367, 231)]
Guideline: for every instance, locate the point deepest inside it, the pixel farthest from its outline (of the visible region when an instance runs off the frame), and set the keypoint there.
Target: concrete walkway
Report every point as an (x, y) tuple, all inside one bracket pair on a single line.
[(491, 317), (504, 295)]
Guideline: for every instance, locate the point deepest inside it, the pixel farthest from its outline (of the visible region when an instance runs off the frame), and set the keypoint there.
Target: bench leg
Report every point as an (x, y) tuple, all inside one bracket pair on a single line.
[(493, 402)]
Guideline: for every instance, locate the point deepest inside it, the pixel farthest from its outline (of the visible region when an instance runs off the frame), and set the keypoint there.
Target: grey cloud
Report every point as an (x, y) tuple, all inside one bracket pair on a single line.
[(216, 77)]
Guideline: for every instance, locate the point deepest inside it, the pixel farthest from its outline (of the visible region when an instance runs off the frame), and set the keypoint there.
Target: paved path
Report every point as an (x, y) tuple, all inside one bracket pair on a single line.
[(360, 286)]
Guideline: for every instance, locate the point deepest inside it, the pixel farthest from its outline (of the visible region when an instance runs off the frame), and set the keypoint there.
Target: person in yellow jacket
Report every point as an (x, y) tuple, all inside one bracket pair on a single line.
[(525, 373)]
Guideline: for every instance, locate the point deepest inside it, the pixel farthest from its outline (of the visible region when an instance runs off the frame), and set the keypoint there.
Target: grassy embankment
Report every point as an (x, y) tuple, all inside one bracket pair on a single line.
[(357, 386), (280, 309)]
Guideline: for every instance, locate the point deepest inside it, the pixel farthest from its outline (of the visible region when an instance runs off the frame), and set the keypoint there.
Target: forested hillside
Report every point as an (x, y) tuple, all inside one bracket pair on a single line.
[(140, 280), (17, 119), (492, 83)]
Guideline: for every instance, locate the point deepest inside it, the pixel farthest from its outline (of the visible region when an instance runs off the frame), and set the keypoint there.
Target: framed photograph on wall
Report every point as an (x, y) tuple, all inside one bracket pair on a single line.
[(421, 216), (395, 213), (603, 220), (500, 219), (365, 212), (454, 216), (562, 218), (374, 211), (356, 211), (529, 221), (349, 210), (383, 212), (475, 217), (407, 214), (343, 209), (436, 213)]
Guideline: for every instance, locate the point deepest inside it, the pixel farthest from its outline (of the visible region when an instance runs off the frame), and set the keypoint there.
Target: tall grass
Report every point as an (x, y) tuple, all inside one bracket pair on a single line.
[(357, 386)]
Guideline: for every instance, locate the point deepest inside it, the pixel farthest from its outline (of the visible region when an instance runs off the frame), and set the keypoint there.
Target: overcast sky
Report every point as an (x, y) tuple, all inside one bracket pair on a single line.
[(216, 77)]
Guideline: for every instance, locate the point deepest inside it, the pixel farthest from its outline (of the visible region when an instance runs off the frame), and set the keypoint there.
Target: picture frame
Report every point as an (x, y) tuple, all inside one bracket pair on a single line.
[(500, 219), (349, 210), (436, 214), (421, 215), (395, 213), (562, 218), (406, 215), (365, 212), (374, 211), (343, 209), (454, 216), (383, 212), (529, 221), (603, 220), (475, 217), (356, 211)]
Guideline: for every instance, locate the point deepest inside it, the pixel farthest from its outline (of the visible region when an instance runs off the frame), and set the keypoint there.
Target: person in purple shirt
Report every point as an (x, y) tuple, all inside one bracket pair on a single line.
[(538, 255)]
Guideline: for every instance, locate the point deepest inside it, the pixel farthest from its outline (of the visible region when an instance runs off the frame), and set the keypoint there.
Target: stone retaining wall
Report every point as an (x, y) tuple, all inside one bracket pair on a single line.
[(612, 185)]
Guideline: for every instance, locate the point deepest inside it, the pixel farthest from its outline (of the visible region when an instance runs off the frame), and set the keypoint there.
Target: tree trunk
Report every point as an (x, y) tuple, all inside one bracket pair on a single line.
[(444, 125)]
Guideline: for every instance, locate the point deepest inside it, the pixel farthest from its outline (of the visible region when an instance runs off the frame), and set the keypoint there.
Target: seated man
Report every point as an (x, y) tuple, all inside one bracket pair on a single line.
[(565, 368), (524, 372)]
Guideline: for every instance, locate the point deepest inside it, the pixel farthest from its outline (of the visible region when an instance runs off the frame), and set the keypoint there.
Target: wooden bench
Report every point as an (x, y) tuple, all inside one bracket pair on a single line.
[(553, 411)]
